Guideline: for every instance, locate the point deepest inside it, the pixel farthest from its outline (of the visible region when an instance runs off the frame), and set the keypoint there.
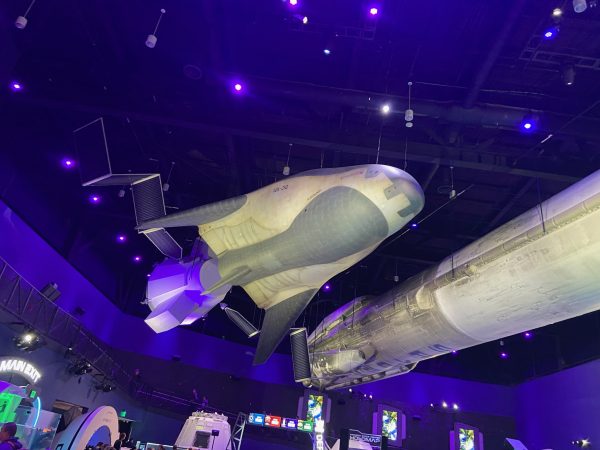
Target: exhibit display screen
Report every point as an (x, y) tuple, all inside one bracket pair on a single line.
[(389, 424), (290, 424), (466, 439), (256, 419), (314, 411), (306, 425), (273, 421)]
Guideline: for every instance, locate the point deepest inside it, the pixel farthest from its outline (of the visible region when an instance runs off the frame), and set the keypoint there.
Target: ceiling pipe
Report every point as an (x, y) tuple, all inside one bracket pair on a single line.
[(493, 54)]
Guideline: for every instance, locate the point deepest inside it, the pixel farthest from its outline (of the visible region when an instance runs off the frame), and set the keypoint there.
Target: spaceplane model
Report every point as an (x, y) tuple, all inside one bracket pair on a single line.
[(281, 243), (540, 268)]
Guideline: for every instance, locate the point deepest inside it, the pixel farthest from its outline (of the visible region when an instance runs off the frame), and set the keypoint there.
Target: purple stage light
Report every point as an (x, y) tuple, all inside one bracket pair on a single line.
[(16, 86), (528, 335), (503, 355), (551, 33), (414, 225), (121, 238), (455, 352), (293, 2), (94, 199), (326, 51), (528, 124), (327, 287), (374, 11), (68, 163), (305, 20), (137, 258)]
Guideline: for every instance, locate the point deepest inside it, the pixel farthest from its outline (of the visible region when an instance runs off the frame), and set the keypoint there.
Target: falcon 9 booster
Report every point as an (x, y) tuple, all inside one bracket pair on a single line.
[(540, 268)]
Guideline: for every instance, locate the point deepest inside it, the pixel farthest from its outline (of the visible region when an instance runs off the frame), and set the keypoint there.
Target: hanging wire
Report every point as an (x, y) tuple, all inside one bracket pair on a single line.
[(162, 11), (541, 206), (290, 145), (435, 211), (379, 142), (405, 153)]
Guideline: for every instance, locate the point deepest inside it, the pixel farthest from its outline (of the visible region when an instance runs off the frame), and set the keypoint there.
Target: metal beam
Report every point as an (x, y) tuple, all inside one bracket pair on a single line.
[(417, 154)]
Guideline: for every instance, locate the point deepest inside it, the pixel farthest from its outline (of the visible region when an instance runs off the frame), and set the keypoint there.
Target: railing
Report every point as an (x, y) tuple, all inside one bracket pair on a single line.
[(31, 308)]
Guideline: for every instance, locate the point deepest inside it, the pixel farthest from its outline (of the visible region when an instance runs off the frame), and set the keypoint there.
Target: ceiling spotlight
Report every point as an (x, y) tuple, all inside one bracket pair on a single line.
[(569, 75), (305, 20), (326, 51), (414, 225), (137, 259), (557, 12), (16, 86), (503, 355), (94, 199), (551, 33), (454, 406), (579, 6), (68, 163), (121, 238), (29, 341), (374, 11), (350, 390), (528, 335), (238, 88), (293, 2), (327, 287), (371, 396), (444, 405), (385, 109), (455, 352)]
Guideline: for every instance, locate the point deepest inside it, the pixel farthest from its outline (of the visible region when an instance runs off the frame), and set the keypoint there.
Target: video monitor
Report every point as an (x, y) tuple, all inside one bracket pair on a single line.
[(256, 419), (314, 411), (290, 424), (273, 421), (466, 437), (389, 425), (306, 425)]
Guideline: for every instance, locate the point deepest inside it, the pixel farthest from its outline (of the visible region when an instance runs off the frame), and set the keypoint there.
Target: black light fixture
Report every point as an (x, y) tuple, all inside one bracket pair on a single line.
[(105, 386), (29, 341), (81, 367)]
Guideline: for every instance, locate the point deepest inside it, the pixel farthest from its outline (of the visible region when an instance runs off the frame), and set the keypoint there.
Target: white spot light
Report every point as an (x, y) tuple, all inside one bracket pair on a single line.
[(385, 109)]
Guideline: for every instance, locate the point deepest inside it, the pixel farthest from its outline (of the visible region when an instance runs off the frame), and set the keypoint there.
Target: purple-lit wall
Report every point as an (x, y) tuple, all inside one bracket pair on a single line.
[(559, 408)]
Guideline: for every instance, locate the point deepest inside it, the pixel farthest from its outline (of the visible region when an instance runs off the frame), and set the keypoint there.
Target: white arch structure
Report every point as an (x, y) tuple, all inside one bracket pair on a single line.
[(79, 432)]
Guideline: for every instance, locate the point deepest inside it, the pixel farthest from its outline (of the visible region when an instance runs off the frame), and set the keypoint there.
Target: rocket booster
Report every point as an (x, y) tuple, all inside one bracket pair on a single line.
[(540, 268)]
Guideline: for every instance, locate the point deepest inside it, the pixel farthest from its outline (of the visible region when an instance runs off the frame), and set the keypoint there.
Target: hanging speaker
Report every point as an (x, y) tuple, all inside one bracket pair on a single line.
[(247, 328), (300, 357)]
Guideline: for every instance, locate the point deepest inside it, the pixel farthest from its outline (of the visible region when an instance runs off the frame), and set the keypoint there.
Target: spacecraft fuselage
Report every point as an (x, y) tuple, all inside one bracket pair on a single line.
[(282, 242), (540, 268)]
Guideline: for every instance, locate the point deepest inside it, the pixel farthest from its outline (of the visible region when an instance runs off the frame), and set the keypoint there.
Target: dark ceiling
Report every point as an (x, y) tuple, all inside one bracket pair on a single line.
[(478, 70)]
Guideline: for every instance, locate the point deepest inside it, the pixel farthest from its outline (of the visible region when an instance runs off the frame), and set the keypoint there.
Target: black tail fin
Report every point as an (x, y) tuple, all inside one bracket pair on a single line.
[(278, 321)]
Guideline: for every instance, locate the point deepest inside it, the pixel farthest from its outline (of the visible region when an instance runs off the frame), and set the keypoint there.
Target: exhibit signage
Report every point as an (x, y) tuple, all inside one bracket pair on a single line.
[(21, 367), (357, 436), (319, 435)]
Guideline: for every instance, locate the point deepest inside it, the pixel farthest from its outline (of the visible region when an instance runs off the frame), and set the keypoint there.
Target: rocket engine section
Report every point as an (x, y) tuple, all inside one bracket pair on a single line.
[(176, 291)]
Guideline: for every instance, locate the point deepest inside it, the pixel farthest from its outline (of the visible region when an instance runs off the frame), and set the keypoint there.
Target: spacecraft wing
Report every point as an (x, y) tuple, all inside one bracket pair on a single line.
[(197, 216), (278, 321)]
